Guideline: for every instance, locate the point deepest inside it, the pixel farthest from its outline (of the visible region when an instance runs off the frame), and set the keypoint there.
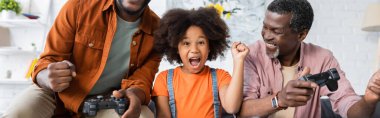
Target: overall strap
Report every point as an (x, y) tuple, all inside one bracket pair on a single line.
[(215, 93), (171, 93)]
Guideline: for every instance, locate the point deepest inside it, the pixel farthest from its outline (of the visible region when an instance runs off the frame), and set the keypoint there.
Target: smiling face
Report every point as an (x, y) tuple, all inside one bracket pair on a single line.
[(193, 50), (279, 38), (133, 7)]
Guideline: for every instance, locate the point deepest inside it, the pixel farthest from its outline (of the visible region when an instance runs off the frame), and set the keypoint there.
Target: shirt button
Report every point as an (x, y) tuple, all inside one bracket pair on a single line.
[(90, 45), (132, 65), (134, 43)]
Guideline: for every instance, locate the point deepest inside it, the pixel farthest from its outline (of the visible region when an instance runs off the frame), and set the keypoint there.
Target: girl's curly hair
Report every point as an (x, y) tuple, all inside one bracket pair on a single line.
[(173, 27)]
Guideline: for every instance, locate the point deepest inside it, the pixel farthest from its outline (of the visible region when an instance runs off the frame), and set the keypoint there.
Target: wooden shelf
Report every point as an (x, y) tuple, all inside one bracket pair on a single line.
[(15, 81), (15, 51), (21, 23)]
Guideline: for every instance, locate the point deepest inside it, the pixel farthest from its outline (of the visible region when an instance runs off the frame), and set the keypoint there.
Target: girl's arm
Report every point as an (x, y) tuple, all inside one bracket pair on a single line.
[(162, 106), (231, 95)]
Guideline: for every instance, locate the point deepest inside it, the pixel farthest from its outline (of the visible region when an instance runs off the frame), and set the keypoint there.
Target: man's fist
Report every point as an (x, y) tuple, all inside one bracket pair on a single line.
[(297, 92), (57, 76), (134, 109), (372, 93)]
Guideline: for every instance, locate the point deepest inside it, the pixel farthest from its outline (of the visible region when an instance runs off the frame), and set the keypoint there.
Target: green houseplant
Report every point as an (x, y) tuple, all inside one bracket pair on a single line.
[(10, 5), (9, 8)]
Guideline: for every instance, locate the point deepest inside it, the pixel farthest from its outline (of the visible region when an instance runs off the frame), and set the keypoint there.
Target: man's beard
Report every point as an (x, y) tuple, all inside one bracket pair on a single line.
[(131, 12), (273, 55)]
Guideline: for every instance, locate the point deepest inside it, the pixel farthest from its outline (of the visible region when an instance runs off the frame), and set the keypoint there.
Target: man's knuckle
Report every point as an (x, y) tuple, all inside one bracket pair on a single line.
[(51, 65), (308, 91), (54, 88), (50, 75), (69, 78), (305, 98), (297, 83), (53, 81), (288, 97), (289, 91)]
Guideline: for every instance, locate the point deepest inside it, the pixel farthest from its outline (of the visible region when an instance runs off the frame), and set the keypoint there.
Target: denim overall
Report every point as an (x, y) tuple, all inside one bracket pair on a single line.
[(214, 92)]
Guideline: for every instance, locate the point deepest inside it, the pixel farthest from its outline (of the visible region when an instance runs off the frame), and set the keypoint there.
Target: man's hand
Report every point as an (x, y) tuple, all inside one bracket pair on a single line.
[(57, 76), (372, 93), (134, 109), (296, 92)]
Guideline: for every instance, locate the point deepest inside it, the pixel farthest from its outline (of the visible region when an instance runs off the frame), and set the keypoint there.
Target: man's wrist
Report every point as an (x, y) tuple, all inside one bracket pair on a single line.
[(275, 103), (139, 93), (41, 79), (368, 102)]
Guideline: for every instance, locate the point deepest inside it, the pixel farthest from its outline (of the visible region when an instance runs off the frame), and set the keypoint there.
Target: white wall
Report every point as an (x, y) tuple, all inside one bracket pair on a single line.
[(158, 6), (336, 27), (18, 63)]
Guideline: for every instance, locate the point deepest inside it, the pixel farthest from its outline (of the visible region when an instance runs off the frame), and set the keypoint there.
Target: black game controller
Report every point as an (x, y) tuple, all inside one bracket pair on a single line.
[(91, 106), (329, 78)]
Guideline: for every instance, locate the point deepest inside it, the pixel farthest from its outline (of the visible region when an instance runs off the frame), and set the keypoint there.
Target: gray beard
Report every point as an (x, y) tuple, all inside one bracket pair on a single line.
[(275, 54)]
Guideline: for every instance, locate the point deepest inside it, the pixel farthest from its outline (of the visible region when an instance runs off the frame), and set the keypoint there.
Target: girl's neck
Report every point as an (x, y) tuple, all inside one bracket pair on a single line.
[(186, 71)]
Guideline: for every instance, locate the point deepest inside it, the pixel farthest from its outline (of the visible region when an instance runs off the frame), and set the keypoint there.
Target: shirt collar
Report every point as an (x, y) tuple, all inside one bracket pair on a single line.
[(147, 17), (302, 50), (148, 23), (108, 4)]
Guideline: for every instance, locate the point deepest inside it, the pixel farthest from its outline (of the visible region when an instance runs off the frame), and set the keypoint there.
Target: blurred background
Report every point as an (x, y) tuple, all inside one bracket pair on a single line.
[(337, 26)]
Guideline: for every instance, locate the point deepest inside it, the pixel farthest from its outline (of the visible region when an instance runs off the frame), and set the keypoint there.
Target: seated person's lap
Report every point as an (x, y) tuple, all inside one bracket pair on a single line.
[(110, 113), (35, 102)]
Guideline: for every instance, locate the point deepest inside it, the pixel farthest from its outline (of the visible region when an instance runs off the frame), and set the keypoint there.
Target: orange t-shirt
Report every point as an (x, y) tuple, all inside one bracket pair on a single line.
[(192, 92)]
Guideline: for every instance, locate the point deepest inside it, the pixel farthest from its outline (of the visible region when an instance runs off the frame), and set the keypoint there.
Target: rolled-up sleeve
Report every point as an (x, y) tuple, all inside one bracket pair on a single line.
[(143, 77), (344, 97), (251, 79), (60, 39)]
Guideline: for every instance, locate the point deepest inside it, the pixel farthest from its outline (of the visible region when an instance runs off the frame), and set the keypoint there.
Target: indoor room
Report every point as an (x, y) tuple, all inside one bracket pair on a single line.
[(34, 35)]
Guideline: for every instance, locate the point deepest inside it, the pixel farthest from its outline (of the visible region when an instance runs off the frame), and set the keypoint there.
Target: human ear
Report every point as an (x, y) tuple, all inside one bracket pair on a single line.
[(302, 35)]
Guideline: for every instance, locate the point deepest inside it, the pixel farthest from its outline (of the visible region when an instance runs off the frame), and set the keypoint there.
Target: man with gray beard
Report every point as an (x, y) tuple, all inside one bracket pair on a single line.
[(273, 66)]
